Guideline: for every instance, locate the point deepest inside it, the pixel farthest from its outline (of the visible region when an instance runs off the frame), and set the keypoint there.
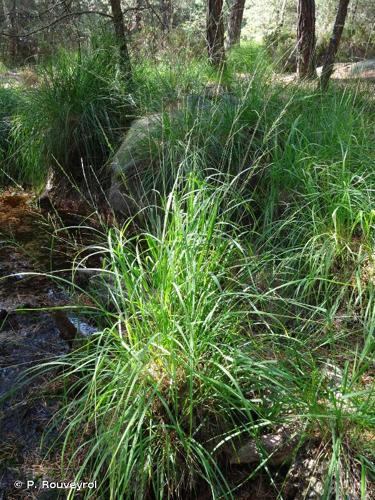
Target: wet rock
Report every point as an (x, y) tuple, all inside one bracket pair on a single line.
[(83, 329), (67, 330), (28, 337), (72, 329)]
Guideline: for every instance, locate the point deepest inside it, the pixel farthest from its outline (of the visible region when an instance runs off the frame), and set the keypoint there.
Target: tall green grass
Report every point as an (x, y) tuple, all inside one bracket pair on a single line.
[(74, 118), (245, 303), (157, 388), (9, 102), (195, 356)]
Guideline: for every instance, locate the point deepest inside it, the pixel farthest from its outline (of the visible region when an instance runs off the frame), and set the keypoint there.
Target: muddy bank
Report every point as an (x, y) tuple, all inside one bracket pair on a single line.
[(28, 336)]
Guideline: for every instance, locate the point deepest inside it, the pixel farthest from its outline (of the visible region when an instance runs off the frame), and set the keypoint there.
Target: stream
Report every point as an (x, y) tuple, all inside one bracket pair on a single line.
[(28, 336)]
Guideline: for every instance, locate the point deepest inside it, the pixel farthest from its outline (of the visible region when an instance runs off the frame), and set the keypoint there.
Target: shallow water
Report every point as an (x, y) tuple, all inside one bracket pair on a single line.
[(28, 336)]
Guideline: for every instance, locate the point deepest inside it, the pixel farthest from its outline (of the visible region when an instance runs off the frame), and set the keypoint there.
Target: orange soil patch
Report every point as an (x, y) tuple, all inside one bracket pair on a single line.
[(15, 210)]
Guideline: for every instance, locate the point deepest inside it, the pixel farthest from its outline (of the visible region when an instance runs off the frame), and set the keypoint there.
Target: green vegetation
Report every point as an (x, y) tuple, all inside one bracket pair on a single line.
[(9, 101), (75, 115), (245, 304), (195, 320), (240, 300)]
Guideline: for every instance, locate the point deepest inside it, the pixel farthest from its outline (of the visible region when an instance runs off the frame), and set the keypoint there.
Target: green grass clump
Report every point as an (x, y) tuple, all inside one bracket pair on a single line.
[(200, 351), (9, 103), (157, 387), (319, 199), (250, 58), (74, 117), (162, 85)]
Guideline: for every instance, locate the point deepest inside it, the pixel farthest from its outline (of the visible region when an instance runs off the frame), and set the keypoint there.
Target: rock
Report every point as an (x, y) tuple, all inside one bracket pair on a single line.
[(333, 374), (278, 446), (130, 161), (362, 69), (306, 476), (67, 330), (72, 329), (137, 167)]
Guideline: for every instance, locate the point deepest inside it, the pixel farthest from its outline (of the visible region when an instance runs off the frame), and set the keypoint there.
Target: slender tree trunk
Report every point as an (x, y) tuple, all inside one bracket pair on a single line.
[(4, 21), (334, 43), (118, 23), (215, 32), (235, 23), (281, 15), (306, 40), (138, 15), (14, 31), (166, 12), (2, 12)]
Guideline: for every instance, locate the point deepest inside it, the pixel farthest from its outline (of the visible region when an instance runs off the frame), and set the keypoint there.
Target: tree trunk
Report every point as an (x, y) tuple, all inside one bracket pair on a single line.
[(235, 23), (281, 15), (166, 12), (13, 22), (306, 40), (334, 43), (215, 32), (138, 15), (118, 23)]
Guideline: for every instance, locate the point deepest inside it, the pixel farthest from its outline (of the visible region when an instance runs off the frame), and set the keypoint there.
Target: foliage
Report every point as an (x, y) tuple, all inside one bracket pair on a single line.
[(161, 85), (74, 117), (173, 346), (246, 302), (250, 58), (281, 48), (9, 102), (225, 316)]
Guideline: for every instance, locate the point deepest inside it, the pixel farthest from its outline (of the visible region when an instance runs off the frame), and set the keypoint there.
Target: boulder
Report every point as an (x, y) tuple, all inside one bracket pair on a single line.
[(153, 145), (364, 70), (131, 161)]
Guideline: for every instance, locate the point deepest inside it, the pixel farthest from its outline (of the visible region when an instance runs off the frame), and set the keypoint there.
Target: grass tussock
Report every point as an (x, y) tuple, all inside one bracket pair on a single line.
[(74, 117)]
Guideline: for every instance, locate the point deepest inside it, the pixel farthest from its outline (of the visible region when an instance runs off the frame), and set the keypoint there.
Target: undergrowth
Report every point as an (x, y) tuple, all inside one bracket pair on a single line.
[(75, 116), (9, 102), (245, 303), (206, 342)]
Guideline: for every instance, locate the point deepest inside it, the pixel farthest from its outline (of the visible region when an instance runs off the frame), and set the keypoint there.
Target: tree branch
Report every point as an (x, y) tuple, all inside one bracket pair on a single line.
[(56, 21), (61, 18)]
